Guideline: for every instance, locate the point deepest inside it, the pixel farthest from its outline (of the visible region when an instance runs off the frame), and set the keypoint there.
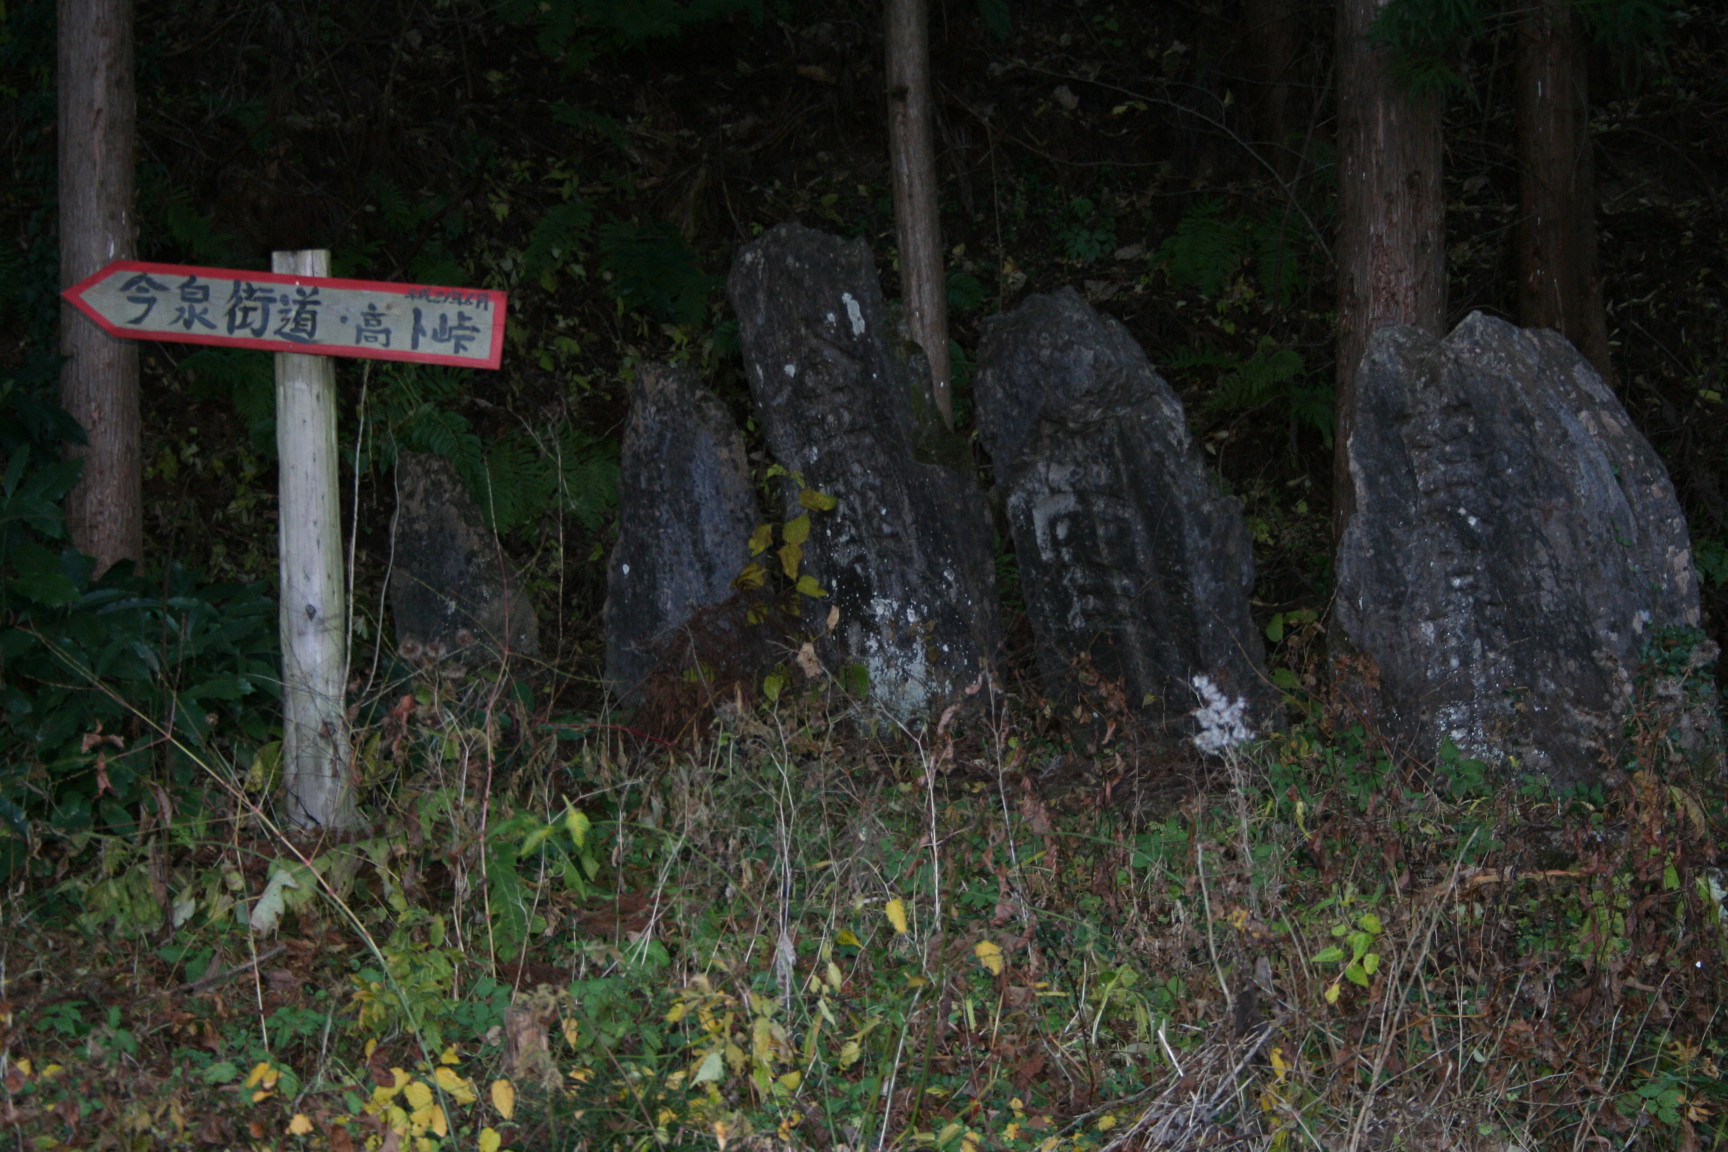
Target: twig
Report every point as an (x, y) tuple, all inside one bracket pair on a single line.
[(208, 980)]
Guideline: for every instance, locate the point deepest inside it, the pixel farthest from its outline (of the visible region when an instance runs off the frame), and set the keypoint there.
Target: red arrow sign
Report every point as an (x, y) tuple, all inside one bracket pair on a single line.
[(317, 315)]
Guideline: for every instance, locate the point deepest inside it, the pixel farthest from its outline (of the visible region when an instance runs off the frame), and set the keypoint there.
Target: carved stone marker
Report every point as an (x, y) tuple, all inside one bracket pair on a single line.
[(906, 554), (1514, 544), (452, 591), (1130, 558), (685, 514)]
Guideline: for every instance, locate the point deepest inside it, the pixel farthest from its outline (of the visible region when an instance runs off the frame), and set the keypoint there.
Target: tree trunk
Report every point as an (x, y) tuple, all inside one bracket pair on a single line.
[(1558, 286), (99, 380), (917, 222), (314, 615), (1391, 215), (1271, 43)]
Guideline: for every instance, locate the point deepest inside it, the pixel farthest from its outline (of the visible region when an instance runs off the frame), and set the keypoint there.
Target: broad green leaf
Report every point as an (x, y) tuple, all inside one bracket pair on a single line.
[(712, 1068), (796, 530)]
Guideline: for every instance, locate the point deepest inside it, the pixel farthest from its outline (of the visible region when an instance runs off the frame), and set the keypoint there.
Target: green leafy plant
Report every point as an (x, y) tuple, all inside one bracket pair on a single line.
[(1354, 953), (793, 534), (517, 478), (116, 682)]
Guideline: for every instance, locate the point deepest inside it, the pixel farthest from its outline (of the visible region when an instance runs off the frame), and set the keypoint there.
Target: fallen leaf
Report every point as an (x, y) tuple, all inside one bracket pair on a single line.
[(896, 913)]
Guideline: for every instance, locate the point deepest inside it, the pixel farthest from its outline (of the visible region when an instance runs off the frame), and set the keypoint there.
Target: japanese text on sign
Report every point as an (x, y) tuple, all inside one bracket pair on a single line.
[(296, 313)]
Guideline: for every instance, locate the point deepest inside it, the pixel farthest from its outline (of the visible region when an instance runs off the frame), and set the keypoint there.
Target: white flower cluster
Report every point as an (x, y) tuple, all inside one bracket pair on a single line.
[(1221, 722)]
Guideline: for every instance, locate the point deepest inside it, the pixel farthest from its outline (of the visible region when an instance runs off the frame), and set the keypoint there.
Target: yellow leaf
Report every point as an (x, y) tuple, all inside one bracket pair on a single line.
[(440, 1125), (1332, 993), (504, 1098), (847, 940), (448, 1056), (568, 1026), (896, 913), (490, 1141), (299, 1126), (1106, 1122), (817, 501), (791, 555), (461, 1090), (753, 576), (990, 955), (796, 530), (263, 1074), (761, 539), (1280, 1066), (807, 586), (419, 1095), (576, 824)]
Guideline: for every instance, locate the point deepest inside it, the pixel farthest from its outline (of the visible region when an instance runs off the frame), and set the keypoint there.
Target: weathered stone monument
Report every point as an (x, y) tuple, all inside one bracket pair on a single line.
[(453, 593), (906, 555), (685, 514), (1130, 558), (1514, 546)]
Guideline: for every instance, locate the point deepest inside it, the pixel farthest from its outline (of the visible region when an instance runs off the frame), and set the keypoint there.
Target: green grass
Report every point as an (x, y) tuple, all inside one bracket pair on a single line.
[(797, 935)]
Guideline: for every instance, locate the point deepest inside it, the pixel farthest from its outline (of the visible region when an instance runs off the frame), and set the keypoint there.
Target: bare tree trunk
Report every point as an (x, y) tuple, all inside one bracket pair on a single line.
[(316, 775), (1271, 43), (917, 222), (1391, 214), (1558, 286), (99, 381)]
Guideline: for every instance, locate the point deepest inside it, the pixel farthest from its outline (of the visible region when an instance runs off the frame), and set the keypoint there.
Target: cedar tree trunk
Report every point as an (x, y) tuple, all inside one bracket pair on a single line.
[(1558, 286), (99, 380), (1391, 214), (917, 224)]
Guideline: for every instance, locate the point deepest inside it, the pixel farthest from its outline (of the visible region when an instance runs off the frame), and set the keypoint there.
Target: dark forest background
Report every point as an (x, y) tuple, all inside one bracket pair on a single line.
[(602, 161), (797, 928)]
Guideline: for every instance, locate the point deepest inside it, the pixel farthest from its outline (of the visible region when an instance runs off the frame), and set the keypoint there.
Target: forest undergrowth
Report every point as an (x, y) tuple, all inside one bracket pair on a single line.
[(808, 929)]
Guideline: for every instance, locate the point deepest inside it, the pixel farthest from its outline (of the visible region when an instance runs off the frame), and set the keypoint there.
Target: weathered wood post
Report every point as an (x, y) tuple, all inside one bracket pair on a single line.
[(315, 746), (303, 316)]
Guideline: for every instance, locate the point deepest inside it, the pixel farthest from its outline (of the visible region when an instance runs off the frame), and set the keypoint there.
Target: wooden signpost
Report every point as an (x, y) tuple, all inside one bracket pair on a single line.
[(304, 316)]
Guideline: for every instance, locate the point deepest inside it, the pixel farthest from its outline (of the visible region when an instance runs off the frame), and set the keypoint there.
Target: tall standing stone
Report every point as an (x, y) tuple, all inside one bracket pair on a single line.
[(685, 513), (1130, 558), (1515, 545), (453, 593), (906, 555)]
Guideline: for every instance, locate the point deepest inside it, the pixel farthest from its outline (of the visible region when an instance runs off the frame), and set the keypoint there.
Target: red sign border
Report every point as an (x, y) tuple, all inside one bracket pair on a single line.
[(500, 301)]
